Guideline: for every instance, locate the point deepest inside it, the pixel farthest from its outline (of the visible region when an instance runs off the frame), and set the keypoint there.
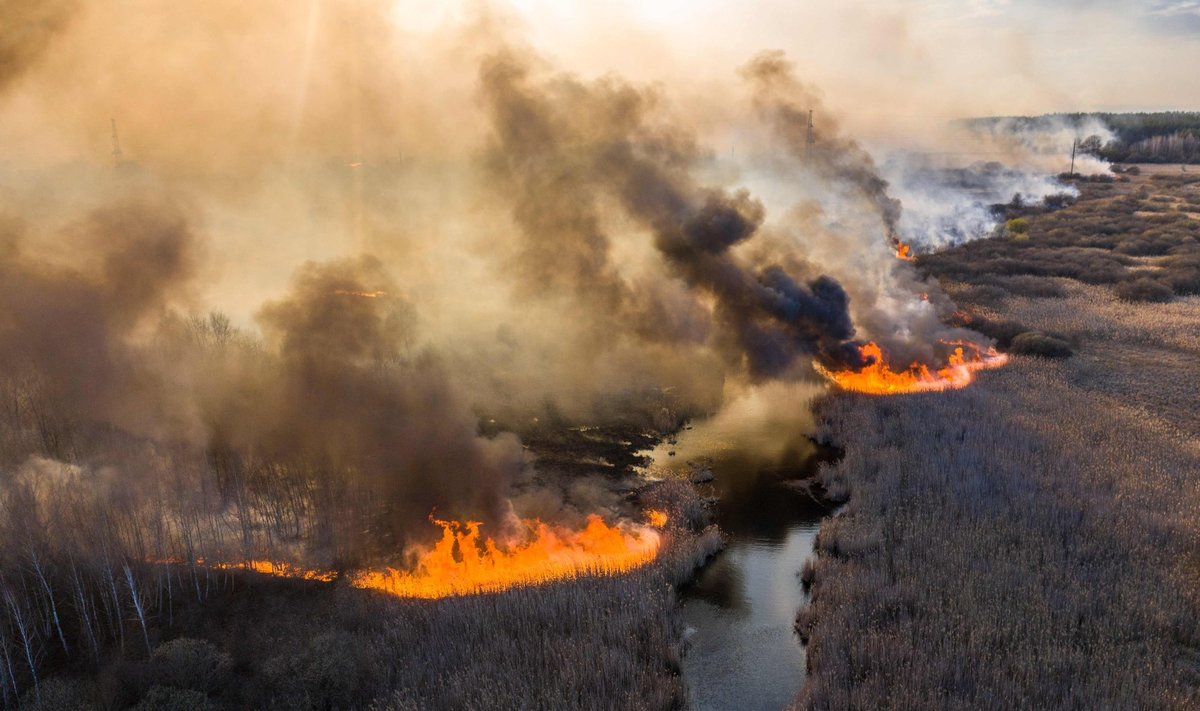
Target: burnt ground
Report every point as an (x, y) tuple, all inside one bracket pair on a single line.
[(581, 450)]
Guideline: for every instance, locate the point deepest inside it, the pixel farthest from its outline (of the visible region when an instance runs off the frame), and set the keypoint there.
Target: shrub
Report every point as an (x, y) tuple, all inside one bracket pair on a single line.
[(1036, 343), (1184, 281), (335, 668), (165, 698), (58, 694), (1017, 227), (1003, 332), (1037, 287), (1144, 289), (981, 294), (1057, 201), (187, 663)]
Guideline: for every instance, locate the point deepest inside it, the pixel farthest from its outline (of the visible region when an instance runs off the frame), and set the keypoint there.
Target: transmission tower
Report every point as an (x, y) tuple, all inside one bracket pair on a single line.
[(116, 151), (808, 139)]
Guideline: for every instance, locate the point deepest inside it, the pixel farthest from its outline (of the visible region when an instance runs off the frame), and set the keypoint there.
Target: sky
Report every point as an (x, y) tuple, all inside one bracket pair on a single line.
[(898, 62), (891, 68)]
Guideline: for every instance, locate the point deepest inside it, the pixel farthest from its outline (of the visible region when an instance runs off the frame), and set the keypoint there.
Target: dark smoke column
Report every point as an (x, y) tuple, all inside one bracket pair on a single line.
[(785, 103), (614, 144)]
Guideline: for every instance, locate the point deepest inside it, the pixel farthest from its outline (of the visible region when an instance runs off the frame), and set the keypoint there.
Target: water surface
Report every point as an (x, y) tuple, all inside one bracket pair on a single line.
[(742, 653)]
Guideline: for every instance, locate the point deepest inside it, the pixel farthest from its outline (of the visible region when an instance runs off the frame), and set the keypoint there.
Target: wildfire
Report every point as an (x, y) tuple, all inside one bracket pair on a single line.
[(277, 568), (903, 251), (280, 570), (879, 378), (464, 563)]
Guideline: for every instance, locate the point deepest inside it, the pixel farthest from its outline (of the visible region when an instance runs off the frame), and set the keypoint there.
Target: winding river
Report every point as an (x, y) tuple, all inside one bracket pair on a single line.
[(741, 651)]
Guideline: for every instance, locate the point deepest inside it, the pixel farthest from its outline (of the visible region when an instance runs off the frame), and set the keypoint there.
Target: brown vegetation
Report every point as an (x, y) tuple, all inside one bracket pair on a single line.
[(1031, 541)]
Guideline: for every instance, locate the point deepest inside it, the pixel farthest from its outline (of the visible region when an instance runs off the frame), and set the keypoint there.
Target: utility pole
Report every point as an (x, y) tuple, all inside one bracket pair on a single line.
[(808, 139), (116, 151), (1073, 145)]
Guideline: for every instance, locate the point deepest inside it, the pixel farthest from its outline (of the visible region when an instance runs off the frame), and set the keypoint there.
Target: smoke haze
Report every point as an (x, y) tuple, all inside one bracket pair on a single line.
[(340, 234)]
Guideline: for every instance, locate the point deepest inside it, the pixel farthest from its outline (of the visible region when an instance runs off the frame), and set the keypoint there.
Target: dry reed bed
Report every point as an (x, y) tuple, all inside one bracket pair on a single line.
[(1030, 542)]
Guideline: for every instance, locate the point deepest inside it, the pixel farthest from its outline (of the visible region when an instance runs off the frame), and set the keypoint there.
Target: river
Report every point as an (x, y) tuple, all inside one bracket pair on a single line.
[(741, 651)]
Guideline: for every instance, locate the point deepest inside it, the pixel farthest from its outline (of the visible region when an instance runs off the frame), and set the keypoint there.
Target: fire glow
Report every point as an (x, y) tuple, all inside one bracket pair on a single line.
[(880, 379), (463, 562)]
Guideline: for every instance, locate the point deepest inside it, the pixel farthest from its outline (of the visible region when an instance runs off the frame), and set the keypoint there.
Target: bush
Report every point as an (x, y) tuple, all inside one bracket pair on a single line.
[(1057, 201), (1184, 282), (57, 694), (1035, 287), (1144, 289), (334, 669), (981, 294), (1003, 332), (1017, 227), (1036, 343), (164, 698), (187, 663)]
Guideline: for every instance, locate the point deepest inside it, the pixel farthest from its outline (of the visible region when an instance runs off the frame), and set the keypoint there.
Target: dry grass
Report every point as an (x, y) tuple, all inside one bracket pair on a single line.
[(1032, 541)]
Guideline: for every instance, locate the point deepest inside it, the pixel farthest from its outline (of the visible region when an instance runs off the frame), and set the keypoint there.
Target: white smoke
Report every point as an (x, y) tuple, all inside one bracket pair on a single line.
[(945, 206)]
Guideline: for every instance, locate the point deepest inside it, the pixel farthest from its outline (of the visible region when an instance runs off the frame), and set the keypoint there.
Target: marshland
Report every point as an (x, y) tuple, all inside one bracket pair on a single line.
[(390, 354)]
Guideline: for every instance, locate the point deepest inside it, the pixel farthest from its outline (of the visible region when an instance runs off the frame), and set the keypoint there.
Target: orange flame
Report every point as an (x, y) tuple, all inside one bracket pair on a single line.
[(461, 563), (879, 378), (281, 570), (903, 251), (277, 568)]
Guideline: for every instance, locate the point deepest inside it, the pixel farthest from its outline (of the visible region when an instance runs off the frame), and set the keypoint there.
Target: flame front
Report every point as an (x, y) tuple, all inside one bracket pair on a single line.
[(463, 563), (903, 251), (880, 379)]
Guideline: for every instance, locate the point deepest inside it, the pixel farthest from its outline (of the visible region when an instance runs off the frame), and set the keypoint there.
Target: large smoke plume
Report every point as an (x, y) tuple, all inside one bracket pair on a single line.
[(566, 146), (394, 256)]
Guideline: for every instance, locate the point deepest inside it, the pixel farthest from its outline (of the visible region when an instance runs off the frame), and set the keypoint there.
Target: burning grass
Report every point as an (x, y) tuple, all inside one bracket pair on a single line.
[(1029, 542), (464, 563), (881, 378)]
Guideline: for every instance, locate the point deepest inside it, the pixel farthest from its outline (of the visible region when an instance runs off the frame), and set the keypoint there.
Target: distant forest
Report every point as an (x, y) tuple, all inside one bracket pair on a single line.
[(1162, 137)]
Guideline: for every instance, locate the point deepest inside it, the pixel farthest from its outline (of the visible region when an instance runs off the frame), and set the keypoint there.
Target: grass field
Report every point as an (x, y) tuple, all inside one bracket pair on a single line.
[(1032, 541)]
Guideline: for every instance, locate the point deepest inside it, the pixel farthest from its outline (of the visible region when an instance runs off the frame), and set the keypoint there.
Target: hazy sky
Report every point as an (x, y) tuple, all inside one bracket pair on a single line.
[(902, 60), (888, 67)]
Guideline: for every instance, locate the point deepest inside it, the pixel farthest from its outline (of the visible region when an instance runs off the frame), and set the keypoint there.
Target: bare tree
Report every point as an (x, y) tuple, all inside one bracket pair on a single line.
[(138, 605)]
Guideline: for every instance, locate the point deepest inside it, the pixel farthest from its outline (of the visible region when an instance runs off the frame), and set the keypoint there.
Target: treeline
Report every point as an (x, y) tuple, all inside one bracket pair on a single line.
[(1160, 137), (90, 558), (1166, 137)]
